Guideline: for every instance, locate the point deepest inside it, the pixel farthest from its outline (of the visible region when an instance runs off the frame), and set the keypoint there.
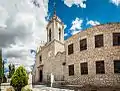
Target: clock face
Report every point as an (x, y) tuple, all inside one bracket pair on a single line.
[(49, 53)]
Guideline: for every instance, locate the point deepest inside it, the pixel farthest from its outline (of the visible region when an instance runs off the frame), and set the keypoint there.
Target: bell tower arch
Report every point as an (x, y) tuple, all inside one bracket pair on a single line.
[(55, 29)]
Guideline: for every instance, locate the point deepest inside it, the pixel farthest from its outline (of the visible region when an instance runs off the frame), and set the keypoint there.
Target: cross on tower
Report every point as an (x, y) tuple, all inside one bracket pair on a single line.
[(54, 7)]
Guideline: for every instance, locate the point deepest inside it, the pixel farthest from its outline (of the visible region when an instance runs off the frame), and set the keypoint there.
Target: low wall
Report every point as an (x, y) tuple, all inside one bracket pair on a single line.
[(4, 86)]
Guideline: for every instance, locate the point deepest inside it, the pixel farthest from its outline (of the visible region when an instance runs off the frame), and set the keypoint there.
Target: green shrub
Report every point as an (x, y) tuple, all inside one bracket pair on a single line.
[(26, 88), (19, 78)]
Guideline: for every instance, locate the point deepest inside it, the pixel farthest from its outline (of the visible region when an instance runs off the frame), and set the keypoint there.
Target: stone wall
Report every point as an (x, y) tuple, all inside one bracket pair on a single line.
[(108, 53)]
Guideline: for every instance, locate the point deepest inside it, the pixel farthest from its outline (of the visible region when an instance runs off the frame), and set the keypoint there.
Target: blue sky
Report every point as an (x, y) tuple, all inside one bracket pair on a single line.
[(102, 11)]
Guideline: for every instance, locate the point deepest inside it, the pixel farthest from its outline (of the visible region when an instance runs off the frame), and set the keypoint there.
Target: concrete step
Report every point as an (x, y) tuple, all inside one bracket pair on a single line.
[(38, 86)]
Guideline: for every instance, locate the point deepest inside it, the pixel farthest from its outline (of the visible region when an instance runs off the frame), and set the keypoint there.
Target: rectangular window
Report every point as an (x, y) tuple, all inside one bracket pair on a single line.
[(99, 41), (83, 44), (116, 39), (116, 66), (71, 70), (70, 49), (100, 69), (40, 58), (84, 68)]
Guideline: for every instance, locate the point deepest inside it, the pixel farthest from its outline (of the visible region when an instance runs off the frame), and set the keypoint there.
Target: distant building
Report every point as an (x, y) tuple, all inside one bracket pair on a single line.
[(91, 57)]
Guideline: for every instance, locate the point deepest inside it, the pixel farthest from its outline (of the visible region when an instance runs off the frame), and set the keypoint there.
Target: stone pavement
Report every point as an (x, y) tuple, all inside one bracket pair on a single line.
[(44, 88), (86, 88)]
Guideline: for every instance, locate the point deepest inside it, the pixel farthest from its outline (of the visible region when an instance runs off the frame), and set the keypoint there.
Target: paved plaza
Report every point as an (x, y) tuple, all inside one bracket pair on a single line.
[(44, 88)]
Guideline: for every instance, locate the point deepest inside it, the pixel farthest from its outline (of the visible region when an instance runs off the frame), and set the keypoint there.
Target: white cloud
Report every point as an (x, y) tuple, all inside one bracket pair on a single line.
[(3, 15), (116, 2), (79, 3), (65, 26), (22, 27), (93, 23), (66, 34), (76, 26)]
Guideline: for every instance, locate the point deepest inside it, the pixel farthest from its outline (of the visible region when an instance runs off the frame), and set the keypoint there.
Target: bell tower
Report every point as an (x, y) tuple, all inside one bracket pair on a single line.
[(55, 34), (55, 28)]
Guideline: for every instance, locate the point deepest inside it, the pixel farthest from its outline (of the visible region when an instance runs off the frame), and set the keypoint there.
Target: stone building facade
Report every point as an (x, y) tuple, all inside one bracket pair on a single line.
[(91, 57)]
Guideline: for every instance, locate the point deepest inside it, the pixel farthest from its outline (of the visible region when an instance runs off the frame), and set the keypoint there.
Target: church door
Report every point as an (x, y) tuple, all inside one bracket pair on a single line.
[(41, 75)]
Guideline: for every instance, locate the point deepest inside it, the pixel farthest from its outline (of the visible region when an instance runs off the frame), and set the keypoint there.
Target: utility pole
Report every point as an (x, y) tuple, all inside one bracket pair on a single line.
[(3, 67)]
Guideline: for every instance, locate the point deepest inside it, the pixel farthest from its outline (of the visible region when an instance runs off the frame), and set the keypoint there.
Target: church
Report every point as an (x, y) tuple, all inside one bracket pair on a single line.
[(90, 57)]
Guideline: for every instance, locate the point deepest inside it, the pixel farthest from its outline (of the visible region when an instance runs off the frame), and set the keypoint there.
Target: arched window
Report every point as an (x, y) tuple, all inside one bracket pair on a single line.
[(50, 35), (59, 34)]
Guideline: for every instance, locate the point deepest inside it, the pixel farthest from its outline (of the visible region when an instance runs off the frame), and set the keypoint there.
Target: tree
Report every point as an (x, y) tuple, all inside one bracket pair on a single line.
[(4, 79), (1, 67), (11, 70), (19, 78)]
